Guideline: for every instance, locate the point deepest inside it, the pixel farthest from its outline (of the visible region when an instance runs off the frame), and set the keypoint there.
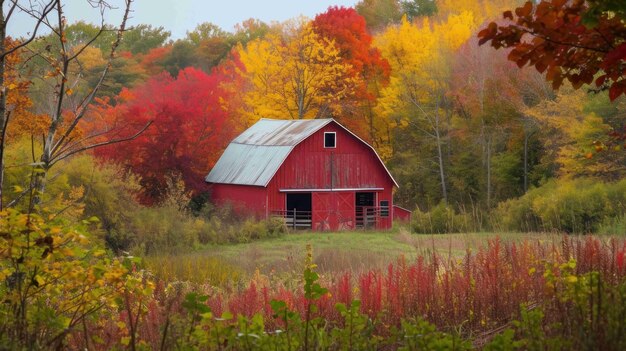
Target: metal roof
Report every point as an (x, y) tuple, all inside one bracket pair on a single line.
[(255, 155), (276, 132)]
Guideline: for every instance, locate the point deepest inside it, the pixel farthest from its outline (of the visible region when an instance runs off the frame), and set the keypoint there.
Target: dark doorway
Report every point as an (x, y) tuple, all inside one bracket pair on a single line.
[(365, 199), (365, 210), (298, 214)]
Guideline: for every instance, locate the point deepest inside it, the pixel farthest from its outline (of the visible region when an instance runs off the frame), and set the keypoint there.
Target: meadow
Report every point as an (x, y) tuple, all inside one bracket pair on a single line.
[(334, 252)]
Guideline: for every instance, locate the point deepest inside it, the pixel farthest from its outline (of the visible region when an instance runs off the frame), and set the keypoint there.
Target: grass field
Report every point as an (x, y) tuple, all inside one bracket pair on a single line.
[(332, 252)]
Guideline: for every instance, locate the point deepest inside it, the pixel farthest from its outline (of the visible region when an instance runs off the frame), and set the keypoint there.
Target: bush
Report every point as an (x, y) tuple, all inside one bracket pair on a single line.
[(572, 206), (517, 214), (442, 219)]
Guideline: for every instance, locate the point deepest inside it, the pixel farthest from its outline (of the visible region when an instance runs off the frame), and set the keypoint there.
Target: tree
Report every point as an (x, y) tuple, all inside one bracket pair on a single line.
[(62, 138), (38, 14), (181, 56), (298, 75), (491, 97), (347, 30), (578, 135), (577, 41), (191, 125), (142, 38), (419, 8), (379, 13), (417, 95), (205, 31)]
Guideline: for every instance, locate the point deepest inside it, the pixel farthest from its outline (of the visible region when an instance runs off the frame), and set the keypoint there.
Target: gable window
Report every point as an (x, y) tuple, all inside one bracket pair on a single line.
[(384, 208), (330, 140)]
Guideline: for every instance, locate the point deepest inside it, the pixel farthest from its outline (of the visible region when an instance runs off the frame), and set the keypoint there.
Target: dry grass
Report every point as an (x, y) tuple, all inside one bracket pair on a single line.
[(354, 252)]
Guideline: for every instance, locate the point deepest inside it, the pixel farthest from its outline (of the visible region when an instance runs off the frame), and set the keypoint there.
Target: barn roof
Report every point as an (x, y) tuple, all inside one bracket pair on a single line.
[(255, 155)]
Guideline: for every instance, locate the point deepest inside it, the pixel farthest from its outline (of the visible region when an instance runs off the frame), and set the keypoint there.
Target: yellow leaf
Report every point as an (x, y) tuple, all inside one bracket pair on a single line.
[(69, 91), (39, 280)]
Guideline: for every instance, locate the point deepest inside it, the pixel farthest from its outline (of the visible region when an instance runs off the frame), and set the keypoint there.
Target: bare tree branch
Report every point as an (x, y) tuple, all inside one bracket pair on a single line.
[(40, 18), (59, 157)]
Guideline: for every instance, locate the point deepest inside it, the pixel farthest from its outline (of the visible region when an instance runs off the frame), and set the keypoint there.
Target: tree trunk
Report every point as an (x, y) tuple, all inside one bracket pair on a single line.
[(525, 162), (442, 176), (3, 100), (488, 161)]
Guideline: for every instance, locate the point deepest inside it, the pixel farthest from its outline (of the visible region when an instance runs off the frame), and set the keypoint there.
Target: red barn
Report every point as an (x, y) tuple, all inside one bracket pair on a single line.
[(314, 173)]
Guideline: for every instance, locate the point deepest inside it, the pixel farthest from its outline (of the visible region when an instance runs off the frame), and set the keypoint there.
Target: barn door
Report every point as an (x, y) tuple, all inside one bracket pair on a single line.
[(333, 211), (345, 210), (322, 211)]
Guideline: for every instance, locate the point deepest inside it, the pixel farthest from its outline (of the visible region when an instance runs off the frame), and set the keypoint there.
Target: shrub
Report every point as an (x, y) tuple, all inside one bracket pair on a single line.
[(442, 219), (517, 214), (165, 229), (572, 206)]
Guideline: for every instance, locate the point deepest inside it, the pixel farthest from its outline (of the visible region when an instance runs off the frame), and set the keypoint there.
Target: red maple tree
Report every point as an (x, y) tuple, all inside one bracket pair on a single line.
[(190, 127)]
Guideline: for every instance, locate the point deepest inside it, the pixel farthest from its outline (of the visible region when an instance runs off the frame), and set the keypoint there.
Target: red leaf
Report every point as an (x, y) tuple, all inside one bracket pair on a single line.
[(615, 91), (524, 10)]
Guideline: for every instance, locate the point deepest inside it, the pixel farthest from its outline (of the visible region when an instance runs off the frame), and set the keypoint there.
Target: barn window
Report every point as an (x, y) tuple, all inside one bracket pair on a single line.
[(330, 140), (384, 208)]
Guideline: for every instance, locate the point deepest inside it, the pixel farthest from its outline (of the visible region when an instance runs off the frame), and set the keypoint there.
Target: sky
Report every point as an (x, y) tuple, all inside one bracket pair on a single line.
[(181, 16)]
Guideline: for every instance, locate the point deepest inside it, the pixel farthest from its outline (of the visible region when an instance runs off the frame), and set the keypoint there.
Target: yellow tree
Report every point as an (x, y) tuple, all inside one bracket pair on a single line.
[(416, 96), (576, 136), (295, 75), (482, 10)]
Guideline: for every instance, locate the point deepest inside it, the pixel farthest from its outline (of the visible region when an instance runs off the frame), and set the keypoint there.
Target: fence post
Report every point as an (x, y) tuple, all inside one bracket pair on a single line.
[(294, 218)]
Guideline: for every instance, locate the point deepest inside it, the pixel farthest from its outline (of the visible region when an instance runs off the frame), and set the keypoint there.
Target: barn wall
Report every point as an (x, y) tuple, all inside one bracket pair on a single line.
[(244, 199), (309, 165)]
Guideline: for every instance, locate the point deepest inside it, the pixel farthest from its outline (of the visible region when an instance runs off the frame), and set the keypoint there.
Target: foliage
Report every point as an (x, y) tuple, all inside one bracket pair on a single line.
[(81, 188), (142, 38), (379, 13), (574, 206), (416, 305), (189, 121), (294, 76), (346, 29), (442, 219), (53, 280), (561, 44), (195, 268)]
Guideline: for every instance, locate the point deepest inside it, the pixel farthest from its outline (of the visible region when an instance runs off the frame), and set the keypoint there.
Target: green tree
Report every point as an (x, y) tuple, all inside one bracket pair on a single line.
[(141, 38)]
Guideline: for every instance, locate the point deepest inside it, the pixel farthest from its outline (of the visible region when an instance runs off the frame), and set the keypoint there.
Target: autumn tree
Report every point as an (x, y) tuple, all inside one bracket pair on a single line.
[(577, 41), (295, 74), (347, 30), (214, 46), (191, 123), (142, 38), (578, 135), (62, 137), (491, 97), (379, 13), (416, 98), (205, 31)]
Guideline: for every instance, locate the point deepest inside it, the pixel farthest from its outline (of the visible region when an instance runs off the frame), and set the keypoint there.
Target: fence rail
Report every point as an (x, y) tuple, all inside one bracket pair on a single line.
[(367, 216), (364, 217), (295, 219)]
